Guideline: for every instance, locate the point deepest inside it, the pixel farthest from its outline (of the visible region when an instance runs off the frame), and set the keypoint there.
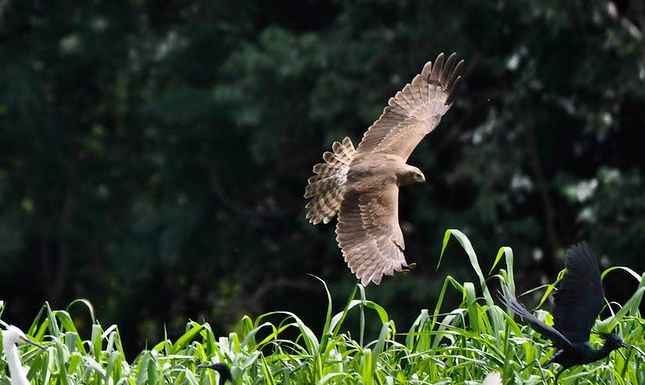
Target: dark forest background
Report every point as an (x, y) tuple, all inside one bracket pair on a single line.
[(153, 154)]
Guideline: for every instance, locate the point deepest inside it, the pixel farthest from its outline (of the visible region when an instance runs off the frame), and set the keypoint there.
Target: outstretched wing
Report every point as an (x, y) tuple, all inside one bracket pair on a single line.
[(545, 330), (580, 296), (414, 111), (369, 234)]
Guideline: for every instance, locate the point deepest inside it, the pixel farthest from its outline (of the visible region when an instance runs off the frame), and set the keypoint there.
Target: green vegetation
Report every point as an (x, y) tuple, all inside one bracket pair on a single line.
[(359, 344)]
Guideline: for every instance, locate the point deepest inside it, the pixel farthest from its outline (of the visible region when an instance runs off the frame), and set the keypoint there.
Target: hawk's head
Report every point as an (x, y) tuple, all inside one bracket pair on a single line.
[(411, 175)]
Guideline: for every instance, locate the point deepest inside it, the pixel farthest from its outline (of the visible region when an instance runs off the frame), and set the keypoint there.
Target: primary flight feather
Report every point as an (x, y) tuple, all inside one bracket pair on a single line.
[(361, 184)]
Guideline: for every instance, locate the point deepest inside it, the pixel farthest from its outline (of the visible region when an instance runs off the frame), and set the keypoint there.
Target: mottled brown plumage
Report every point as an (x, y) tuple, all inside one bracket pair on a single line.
[(362, 185), (326, 186)]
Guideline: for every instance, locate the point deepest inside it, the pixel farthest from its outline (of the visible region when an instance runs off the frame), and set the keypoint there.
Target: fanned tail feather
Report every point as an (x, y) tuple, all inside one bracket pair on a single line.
[(326, 187)]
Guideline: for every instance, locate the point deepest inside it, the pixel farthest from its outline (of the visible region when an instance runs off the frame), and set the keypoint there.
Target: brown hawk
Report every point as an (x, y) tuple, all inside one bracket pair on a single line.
[(362, 185)]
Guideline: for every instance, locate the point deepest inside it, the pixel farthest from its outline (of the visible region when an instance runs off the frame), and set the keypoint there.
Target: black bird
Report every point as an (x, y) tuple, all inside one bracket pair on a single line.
[(223, 371), (578, 302)]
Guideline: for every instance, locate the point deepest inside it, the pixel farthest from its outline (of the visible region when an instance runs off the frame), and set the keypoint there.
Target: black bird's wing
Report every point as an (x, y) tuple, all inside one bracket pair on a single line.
[(579, 297), (558, 338)]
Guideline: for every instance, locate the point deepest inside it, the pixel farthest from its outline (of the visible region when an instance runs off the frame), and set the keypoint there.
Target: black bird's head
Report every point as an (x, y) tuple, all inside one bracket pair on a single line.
[(612, 341), (223, 370)]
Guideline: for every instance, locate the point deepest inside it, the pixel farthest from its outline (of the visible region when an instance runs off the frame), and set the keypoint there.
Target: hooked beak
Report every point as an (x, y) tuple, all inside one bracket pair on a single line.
[(32, 343)]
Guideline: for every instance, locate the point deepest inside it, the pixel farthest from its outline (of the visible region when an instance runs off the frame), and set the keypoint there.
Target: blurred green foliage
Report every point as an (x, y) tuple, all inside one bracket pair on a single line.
[(153, 154)]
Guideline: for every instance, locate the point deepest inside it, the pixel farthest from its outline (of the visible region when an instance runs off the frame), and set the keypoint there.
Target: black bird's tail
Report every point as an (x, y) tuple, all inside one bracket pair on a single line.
[(545, 330), (511, 302)]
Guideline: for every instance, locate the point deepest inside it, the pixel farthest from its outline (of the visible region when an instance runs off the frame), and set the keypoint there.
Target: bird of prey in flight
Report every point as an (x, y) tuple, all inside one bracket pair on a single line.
[(361, 184)]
